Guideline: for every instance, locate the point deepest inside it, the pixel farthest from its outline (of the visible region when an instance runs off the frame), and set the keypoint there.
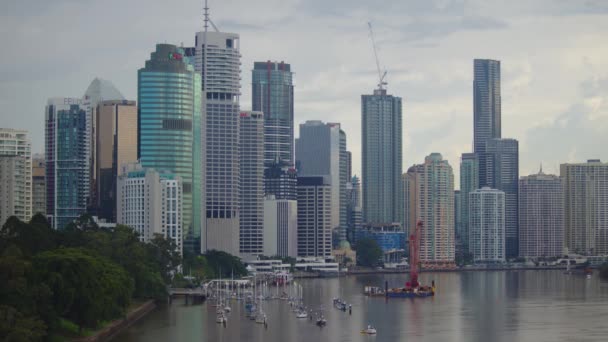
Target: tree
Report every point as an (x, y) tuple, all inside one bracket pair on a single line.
[(369, 252), (86, 288), (224, 264), (31, 238)]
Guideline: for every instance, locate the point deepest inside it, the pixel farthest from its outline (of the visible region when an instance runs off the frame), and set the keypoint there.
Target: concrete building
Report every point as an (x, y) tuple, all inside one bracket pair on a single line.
[(381, 147), (586, 207), (67, 151), (487, 225), (390, 237), (116, 145), (502, 173), (272, 94), (280, 227), (151, 202), (251, 158), (541, 216), (169, 135), (486, 108), (281, 181), (469, 182), (218, 61), (314, 217), (321, 151), (38, 185), (431, 200), (16, 188)]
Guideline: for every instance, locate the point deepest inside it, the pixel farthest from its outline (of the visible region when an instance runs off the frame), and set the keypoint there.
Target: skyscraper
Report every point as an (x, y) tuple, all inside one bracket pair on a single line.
[(541, 216), (280, 227), (487, 225), (586, 207), (116, 145), (218, 61), (431, 200), (38, 185), (382, 157), (502, 173), (355, 215), (314, 218), (272, 94), (168, 93), (281, 181), (67, 151), (486, 108), (321, 151), (469, 182), (251, 158), (16, 152)]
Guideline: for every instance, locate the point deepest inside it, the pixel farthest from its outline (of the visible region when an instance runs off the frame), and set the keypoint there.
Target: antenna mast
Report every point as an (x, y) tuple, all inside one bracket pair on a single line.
[(381, 75)]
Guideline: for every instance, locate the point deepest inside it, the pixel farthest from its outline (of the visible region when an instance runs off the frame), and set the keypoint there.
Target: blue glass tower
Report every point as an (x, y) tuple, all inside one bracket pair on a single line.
[(169, 139)]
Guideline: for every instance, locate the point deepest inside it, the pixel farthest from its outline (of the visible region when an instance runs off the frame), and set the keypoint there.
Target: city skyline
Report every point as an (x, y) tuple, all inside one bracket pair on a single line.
[(538, 104)]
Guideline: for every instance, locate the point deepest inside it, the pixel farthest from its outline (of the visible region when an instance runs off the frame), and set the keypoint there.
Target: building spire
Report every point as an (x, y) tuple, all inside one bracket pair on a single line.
[(541, 169), (206, 15)]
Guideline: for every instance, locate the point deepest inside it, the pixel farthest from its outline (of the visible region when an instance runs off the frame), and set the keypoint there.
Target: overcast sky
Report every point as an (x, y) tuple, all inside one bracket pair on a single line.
[(553, 53)]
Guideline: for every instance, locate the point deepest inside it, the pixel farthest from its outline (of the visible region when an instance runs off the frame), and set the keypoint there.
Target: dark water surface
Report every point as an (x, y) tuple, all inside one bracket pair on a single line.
[(534, 306)]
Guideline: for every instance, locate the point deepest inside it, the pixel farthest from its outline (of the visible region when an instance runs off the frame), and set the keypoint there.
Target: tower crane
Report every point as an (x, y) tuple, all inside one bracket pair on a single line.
[(381, 75)]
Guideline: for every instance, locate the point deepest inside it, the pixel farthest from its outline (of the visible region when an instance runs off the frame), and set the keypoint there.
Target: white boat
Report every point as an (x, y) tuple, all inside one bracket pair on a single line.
[(221, 319), (302, 314), (227, 308), (260, 318), (369, 330)]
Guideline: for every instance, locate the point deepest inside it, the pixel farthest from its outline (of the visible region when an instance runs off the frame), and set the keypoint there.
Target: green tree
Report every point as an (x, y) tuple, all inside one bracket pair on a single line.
[(31, 238), (224, 264), (86, 288), (369, 252)]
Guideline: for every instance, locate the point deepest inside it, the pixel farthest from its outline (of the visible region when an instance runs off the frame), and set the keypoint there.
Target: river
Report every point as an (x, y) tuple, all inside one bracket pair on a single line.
[(490, 306)]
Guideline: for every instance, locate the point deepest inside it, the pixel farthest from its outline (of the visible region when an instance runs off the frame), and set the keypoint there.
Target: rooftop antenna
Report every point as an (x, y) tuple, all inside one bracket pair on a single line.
[(381, 75), (207, 19)]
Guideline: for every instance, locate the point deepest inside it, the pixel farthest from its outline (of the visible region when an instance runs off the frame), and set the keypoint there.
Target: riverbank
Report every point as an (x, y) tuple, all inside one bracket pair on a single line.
[(117, 326)]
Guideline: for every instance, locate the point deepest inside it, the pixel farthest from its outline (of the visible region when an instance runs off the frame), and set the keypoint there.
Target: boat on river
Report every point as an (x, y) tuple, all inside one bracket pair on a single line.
[(370, 330)]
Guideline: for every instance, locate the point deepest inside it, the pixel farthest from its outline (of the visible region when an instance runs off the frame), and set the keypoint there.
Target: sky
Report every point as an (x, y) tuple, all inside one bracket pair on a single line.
[(553, 53)]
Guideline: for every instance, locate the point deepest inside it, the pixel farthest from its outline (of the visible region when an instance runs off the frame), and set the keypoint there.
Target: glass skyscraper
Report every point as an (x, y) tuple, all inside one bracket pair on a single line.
[(169, 109), (67, 160), (382, 158), (486, 108), (469, 182), (272, 93)]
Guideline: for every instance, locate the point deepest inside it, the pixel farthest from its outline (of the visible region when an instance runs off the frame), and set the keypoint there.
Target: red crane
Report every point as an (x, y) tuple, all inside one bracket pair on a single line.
[(414, 255)]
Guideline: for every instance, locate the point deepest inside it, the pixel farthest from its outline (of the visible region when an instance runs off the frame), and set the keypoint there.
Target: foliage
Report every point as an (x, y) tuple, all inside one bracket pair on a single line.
[(197, 266), (224, 264), (369, 252)]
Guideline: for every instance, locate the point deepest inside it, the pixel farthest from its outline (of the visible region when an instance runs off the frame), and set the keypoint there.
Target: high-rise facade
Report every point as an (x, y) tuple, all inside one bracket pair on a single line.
[(321, 151), (168, 93), (586, 207), (251, 158), (457, 218), (280, 227), (381, 127), (502, 173), (486, 108), (38, 185), (541, 216), (469, 182), (116, 145), (355, 211), (67, 152), (16, 151), (218, 61), (314, 217), (487, 225), (272, 94), (150, 202), (431, 200), (281, 181)]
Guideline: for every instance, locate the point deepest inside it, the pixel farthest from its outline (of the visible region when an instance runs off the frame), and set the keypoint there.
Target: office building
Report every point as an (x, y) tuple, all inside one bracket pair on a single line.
[(314, 217), (355, 211), (469, 182), (280, 227), (251, 158), (349, 165), (272, 94), (487, 225), (586, 207), (541, 216), (502, 173), (168, 94), (15, 150), (391, 238), (151, 203), (281, 181), (116, 145), (382, 157), (486, 108), (457, 218), (38, 185), (67, 151), (431, 200), (321, 151), (218, 61)]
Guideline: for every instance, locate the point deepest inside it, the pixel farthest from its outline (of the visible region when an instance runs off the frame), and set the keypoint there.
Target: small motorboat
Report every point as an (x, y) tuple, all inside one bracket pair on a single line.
[(221, 319), (227, 308), (302, 314), (369, 330), (321, 321)]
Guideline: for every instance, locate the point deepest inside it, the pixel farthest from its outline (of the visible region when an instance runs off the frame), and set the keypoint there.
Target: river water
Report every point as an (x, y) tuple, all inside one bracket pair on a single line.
[(534, 306)]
